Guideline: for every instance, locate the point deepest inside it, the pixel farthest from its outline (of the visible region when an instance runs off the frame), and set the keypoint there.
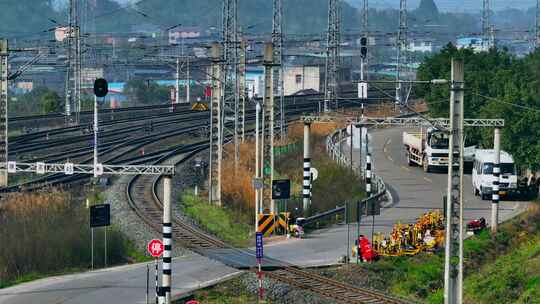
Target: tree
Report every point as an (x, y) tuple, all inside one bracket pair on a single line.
[(50, 102)]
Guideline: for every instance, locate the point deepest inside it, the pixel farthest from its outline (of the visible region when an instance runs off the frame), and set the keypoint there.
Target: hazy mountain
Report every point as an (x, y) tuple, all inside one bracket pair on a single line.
[(451, 5)]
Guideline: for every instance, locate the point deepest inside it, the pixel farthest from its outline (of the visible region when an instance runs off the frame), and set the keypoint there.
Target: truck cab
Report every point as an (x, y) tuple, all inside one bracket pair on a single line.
[(482, 174)]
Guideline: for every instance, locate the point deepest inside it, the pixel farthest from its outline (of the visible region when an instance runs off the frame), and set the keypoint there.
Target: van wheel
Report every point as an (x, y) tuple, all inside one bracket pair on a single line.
[(427, 168), (475, 191)]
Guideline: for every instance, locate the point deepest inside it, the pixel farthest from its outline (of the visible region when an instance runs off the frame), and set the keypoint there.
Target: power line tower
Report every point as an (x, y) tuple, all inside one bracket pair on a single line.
[(488, 33), (277, 41), (331, 83), (401, 46), (230, 97), (73, 72)]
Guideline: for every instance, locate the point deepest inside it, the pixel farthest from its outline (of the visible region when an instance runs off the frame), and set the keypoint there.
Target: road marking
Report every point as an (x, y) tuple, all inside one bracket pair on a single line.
[(385, 146), (390, 158), (428, 180), (405, 168)]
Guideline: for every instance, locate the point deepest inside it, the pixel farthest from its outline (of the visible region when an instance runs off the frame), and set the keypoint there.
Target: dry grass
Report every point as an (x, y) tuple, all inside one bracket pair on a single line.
[(45, 233), (237, 190)]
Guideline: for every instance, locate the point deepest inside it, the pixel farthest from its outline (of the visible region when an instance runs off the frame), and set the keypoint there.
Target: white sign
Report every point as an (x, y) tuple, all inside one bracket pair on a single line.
[(98, 170), (362, 90), (11, 167), (314, 174), (68, 168), (40, 168)]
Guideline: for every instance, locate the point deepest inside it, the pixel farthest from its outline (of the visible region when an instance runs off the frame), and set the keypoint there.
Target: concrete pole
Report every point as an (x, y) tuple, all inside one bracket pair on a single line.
[(177, 86), (453, 271), (257, 159), (96, 129), (496, 180), (307, 168), (188, 85), (167, 239)]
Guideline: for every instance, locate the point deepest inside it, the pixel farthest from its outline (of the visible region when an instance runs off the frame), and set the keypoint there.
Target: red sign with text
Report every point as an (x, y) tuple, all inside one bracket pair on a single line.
[(155, 247)]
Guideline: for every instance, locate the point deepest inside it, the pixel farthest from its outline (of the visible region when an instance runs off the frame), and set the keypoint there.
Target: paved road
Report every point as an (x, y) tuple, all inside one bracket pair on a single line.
[(124, 284), (414, 192)]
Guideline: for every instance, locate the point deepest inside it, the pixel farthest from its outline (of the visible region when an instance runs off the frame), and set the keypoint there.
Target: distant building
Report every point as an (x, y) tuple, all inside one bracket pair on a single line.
[(474, 43), (176, 35), (421, 46), (89, 75), (299, 78)]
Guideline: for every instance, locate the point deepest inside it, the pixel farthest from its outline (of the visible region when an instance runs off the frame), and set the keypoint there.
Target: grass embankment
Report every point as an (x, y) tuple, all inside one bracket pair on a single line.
[(335, 184), (47, 234), (504, 269), (225, 223)]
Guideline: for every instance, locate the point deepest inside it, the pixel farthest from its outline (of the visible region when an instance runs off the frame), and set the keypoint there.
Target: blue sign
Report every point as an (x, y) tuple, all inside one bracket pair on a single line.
[(259, 244)]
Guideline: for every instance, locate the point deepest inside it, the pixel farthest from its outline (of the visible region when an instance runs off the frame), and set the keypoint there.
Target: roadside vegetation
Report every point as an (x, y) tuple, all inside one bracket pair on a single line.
[(48, 233), (498, 85), (335, 184), (225, 223)]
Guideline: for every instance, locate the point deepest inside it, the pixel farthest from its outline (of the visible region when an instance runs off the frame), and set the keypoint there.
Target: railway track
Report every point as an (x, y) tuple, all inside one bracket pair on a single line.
[(146, 203)]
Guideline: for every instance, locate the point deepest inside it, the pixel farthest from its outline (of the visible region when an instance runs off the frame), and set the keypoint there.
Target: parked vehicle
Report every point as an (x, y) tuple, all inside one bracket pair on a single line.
[(482, 174), (429, 149)]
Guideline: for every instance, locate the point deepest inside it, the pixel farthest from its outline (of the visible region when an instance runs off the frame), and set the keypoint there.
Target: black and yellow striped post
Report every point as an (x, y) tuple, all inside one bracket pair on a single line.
[(266, 224)]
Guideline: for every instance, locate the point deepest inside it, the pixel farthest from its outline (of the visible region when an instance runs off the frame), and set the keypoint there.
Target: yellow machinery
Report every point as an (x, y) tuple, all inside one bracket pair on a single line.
[(199, 106), (410, 239)]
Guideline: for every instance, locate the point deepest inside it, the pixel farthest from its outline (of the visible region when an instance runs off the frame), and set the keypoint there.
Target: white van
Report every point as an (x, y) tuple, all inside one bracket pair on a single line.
[(482, 174)]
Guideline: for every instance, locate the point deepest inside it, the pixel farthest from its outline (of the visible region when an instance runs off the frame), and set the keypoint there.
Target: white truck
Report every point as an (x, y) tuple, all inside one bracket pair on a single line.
[(429, 149)]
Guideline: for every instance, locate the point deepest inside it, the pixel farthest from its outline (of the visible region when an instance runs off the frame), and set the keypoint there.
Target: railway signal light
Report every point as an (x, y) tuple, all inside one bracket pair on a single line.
[(363, 47), (101, 87)]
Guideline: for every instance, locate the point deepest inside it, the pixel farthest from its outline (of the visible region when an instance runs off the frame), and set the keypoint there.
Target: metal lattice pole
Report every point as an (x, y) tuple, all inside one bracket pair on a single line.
[(453, 264), (4, 53), (268, 126), (365, 34), (242, 90), (277, 40), (230, 102), (401, 46), (216, 153), (331, 83), (537, 27), (487, 28), (73, 72)]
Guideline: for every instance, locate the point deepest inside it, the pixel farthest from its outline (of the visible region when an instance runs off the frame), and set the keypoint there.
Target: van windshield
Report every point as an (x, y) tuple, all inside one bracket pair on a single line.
[(506, 168)]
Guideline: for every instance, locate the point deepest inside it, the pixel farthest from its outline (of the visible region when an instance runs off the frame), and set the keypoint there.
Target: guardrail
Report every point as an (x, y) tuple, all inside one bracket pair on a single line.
[(333, 148)]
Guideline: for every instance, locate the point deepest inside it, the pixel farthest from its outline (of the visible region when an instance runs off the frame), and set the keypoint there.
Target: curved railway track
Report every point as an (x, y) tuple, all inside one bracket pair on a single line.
[(146, 204)]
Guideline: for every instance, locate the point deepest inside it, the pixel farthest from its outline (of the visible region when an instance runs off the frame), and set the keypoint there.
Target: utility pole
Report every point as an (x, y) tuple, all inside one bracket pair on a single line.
[(216, 142), (496, 180), (331, 82), (177, 86), (230, 102), (453, 263), (401, 51), (188, 81), (277, 40), (268, 125), (167, 239), (4, 53)]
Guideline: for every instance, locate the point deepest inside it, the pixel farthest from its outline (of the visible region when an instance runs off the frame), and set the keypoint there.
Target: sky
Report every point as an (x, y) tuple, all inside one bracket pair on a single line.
[(452, 5)]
